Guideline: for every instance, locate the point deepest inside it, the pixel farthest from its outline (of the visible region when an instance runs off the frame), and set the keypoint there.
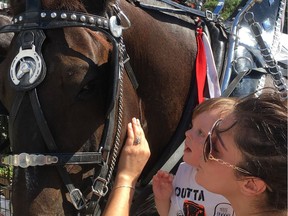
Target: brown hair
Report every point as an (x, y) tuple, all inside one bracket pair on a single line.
[(223, 104), (261, 135)]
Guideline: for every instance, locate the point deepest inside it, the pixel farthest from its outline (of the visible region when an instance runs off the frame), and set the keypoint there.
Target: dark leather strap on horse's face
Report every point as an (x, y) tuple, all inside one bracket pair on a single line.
[(44, 19), (3, 110)]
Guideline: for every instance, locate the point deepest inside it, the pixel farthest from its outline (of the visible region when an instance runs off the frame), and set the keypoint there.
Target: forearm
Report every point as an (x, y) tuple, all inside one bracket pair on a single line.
[(120, 202), (162, 206), (133, 158), (121, 197)]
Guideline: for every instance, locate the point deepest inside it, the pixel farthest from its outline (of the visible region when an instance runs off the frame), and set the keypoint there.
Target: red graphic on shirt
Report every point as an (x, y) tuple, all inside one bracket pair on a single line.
[(193, 209)]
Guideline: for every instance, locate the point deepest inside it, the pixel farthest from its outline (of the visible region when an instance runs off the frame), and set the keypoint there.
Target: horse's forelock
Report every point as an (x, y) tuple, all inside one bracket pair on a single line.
[(91, 6), (18, 6), (70, 5)]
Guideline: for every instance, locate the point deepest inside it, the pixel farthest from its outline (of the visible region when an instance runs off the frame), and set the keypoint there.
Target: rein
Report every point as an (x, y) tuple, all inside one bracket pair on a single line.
[(241, 64), (30, 26)]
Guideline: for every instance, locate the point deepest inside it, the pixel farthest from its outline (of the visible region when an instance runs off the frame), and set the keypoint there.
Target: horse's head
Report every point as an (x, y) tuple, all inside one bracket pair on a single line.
[(64, 91)]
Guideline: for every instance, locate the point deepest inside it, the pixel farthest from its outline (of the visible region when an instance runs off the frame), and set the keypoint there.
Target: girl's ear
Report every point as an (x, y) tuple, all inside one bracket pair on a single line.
[(253, 186)]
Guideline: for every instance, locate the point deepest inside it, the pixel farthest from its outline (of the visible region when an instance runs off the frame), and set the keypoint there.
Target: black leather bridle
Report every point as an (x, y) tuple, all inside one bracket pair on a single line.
[(30, 26)]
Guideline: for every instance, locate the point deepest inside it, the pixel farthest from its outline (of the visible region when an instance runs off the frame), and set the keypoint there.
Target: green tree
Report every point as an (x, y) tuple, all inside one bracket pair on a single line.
[(229, 6)]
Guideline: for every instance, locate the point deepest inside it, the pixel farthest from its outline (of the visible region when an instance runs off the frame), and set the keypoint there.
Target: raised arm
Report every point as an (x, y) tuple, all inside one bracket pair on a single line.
[(134, 156)]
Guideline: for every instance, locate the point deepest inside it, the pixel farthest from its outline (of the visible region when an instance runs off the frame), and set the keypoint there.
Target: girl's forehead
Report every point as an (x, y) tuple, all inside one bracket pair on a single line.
[(210, 113), (205, 119)]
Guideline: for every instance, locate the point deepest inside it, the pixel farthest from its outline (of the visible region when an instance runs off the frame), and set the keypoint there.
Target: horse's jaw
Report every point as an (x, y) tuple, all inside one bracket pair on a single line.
[(38, 197)]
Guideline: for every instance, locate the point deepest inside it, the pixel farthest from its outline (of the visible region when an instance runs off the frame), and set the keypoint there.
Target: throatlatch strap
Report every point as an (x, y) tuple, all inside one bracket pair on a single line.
[(200, 65)]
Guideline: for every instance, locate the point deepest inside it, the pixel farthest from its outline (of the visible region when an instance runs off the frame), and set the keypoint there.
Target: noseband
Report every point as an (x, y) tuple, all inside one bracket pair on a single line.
[(28, 70)]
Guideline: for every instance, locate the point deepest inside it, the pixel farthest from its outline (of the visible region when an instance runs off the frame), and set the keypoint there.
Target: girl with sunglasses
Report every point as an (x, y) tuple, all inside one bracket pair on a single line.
[(245, 157), (181, 195)]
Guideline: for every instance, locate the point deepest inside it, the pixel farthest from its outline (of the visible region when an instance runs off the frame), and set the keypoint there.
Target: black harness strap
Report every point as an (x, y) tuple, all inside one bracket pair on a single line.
[(12, 116), (3, 110), (208, 15), (75, 194), (25, 160), (232, 86), (130, 71), (99, 189)]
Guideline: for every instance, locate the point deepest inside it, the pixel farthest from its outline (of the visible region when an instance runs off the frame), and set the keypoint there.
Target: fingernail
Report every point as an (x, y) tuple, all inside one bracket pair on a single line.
[(129, 124), (138, 121), (134, 120)]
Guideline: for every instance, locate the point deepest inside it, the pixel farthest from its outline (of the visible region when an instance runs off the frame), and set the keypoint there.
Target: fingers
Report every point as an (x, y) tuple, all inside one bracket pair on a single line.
[(137, 130), (130, 135), (162, 185), (134, 156), (135, 133), (163, 176), (136, 143)]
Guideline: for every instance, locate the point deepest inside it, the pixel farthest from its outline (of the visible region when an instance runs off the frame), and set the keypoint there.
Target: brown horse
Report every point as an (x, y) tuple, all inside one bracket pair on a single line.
[(78, 90)]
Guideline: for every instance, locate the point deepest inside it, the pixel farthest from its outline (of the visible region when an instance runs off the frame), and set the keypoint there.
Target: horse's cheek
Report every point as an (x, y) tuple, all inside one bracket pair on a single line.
[(52, 200)]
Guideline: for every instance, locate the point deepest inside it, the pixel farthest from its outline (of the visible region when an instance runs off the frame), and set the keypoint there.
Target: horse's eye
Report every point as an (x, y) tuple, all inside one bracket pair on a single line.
[(88, 90), (93, 86), (92, 82)]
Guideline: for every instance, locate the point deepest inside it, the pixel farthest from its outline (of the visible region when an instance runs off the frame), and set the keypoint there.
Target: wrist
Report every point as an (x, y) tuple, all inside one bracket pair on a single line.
[(125, 180), (124, 187), (162, 199)]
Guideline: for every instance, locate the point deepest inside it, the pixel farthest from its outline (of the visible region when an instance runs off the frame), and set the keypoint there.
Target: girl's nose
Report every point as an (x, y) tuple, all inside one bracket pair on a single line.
[(188, 134)]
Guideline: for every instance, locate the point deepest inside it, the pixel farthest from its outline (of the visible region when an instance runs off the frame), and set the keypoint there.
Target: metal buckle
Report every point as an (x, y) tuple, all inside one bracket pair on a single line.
[(77, 199), (209, 15), (25, 160), (103, 189)]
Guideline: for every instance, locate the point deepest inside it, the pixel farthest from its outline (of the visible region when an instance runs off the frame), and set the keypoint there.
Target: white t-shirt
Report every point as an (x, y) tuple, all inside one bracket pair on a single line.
[(191, 199)]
